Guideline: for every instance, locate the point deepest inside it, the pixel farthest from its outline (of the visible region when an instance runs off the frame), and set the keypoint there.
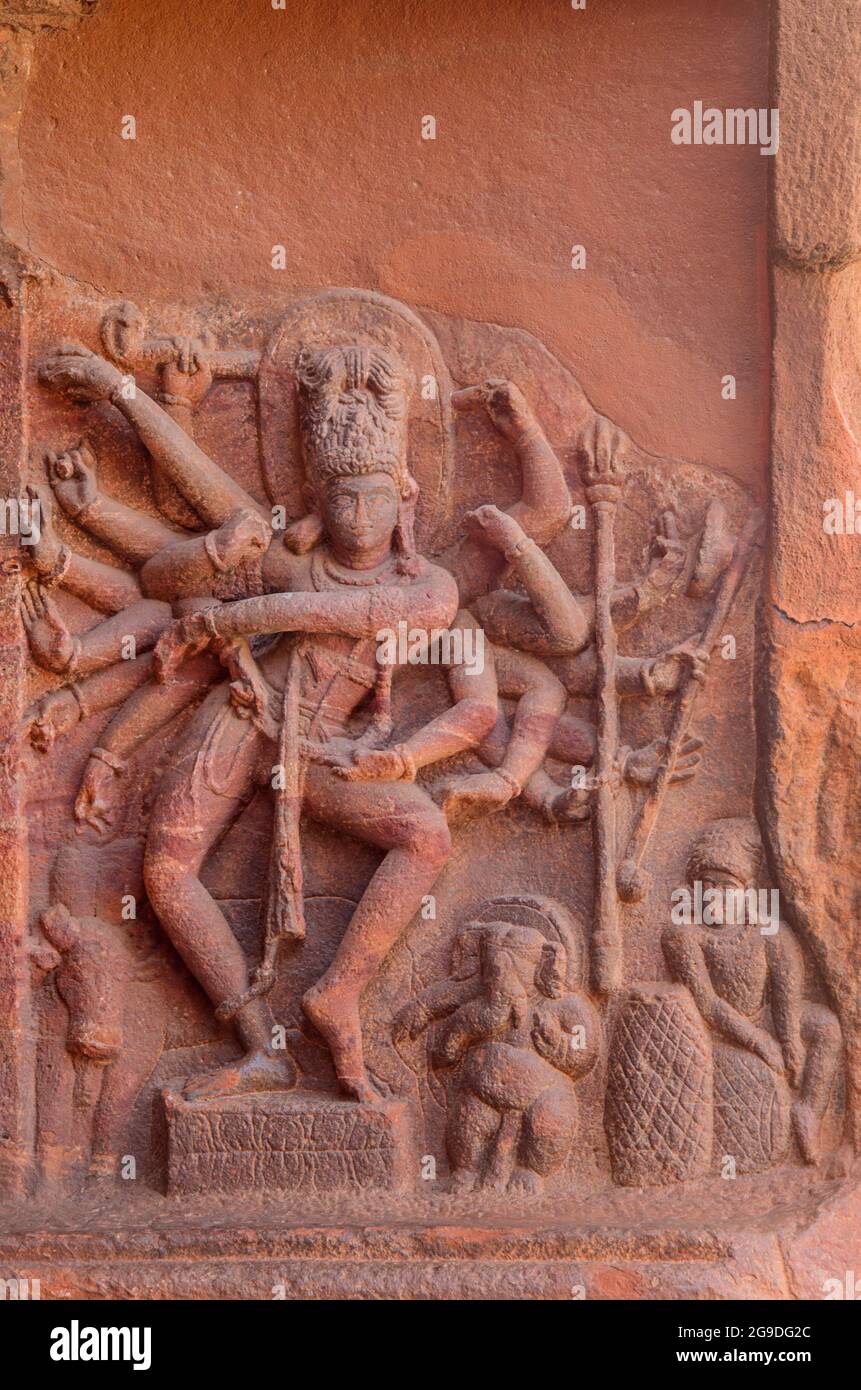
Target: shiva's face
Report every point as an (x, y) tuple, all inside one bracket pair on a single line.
[(361, 513)]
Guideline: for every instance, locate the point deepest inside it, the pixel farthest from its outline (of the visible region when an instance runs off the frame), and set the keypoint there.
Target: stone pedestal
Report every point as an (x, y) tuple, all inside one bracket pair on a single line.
[(285, 1142)]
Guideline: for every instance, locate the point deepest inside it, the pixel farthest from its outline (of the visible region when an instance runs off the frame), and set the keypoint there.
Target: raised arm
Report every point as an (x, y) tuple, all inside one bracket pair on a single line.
[(562, 623), (544, 505), (101, 586), (131, 534), (207, 488)]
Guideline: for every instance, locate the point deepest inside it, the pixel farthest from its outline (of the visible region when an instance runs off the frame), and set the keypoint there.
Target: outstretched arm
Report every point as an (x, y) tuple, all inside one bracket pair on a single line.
[(118, 638), (638, 675), (101, 586), (207, 488), (428, 601), (60, 710), (104, 588)]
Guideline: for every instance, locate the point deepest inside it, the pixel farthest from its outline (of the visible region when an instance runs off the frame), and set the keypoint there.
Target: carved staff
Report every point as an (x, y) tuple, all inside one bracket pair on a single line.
[(633, 881), (285, 912), (603, 478), (124, 339)]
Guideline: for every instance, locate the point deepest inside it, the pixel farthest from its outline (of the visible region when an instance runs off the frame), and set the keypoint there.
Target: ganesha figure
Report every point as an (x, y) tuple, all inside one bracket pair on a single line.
[(519, 1033)]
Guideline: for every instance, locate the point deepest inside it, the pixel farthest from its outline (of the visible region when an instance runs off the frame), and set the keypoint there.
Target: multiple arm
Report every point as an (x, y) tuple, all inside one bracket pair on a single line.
[(544, 506), (131, 534), (210, 491)]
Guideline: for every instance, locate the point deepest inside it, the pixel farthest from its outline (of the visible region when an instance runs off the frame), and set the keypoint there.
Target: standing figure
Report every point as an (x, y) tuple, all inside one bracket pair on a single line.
[(520, 1033)]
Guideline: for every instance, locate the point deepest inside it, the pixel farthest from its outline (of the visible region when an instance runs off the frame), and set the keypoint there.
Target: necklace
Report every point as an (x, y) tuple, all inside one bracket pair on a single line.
[(324, 564)]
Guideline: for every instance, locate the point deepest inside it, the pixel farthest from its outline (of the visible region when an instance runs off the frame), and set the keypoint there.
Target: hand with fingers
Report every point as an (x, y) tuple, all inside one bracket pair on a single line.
[(642, 765), (46, 552), (188, 376), (375, 765), (75, 371), (766, 1047), (504, 402), (248, 691), (242, 535), (602, 450), (49, 718), (52, 645), (95, 804), (668, 553), (72, 476), (497, 528), (665, 672), (184, 638)]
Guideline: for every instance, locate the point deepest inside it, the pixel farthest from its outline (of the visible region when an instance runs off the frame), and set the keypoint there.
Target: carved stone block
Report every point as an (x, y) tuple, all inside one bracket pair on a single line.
[(284, 1143), (659, 1102)]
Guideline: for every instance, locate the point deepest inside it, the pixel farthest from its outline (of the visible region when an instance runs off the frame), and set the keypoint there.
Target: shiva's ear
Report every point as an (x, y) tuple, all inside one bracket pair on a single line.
[(303, 535), (552, 970)]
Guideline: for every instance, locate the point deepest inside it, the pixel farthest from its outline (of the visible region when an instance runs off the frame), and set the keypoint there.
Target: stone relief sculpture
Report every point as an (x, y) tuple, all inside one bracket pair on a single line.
[(521, 1033), (238, 649), (735, 973), (374, 688)]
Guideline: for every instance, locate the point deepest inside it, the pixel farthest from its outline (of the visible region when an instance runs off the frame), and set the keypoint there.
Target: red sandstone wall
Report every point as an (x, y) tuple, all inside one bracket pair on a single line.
[(302, 127)]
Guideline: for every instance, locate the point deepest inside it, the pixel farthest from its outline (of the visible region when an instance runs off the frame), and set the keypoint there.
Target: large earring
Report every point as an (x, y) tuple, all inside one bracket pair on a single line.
[(405, 532)]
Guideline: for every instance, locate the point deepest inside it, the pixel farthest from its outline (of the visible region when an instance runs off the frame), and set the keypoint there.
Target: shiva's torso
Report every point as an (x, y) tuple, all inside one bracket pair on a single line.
[(338, 674)]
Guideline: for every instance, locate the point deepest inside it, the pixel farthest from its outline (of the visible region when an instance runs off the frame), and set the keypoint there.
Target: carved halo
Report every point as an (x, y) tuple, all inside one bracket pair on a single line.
[(356, 316)]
